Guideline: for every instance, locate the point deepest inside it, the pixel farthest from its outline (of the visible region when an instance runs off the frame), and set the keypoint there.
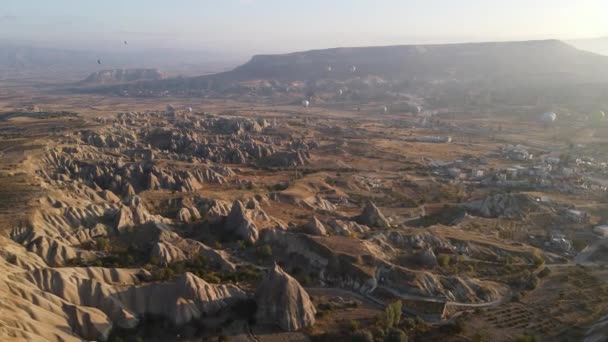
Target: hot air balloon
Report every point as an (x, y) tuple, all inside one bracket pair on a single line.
[(340, 92), (328, 68), (306, 103), (353, 68), (384, 109), (99, 61), (597, 116), (125, 42), (548, 117)]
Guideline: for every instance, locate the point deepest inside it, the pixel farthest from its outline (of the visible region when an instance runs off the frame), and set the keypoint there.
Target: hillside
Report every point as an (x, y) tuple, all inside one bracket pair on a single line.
[(36, 63), (548, 63), (459, 61), (595, 45)]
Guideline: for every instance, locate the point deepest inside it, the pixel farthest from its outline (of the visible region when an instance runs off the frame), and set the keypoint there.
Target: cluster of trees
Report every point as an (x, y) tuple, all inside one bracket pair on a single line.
[(390, 327), (203, 269)]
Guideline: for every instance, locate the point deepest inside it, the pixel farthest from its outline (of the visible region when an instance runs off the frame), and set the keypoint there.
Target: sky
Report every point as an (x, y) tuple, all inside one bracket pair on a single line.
[(271, 26)]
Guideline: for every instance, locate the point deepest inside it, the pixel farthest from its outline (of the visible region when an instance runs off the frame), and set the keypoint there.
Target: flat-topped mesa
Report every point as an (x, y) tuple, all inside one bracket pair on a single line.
[(281, 300), (239, 224), (372, 216)]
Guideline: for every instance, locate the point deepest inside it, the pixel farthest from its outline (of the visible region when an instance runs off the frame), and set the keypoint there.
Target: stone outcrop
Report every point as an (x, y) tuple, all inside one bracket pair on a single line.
[(427, 258), (169, 247), (346, 228), (281, 300), (56, 253), (372, 216), (315, 227), (188, 214), (505, 205), (180, 301), (239, 224)]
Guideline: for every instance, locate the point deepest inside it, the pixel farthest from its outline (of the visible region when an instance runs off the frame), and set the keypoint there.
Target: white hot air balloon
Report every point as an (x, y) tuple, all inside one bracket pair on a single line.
[(328, 68), (353, 68), (306, 103), (189, 109), (548, 117), (384, 109), (340, 92), (597, 116)]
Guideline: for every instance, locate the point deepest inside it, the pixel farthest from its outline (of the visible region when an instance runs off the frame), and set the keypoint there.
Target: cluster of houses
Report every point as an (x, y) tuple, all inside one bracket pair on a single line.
[(579, 174), (571, 175), (471, 169)]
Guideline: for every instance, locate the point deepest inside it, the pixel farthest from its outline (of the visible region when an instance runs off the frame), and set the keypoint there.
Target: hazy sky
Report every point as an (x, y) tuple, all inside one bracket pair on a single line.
[(258, 26)]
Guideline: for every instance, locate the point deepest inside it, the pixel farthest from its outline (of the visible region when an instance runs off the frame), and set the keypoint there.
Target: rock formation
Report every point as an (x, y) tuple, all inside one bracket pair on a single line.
[(281, 300), (239, 224), (315, 227), (372, 216), (505, 205)]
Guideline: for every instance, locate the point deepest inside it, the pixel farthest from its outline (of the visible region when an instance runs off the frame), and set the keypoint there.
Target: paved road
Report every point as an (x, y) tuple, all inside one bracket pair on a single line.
[(370, 300), (440, 300)]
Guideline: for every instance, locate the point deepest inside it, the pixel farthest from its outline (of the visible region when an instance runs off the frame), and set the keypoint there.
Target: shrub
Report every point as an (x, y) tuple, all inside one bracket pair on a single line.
[(453, 328), (212, 278), (264, 251), (545, 272), (480, 336), (528, 338), (443, 260), (362, 336), (538, 259), (516, 297), (102, 244), (409, 323), (532, 283), (579, 245), (395, 335)]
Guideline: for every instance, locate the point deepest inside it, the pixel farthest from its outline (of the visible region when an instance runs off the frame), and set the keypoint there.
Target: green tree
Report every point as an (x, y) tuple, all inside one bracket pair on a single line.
[(395, 335), (264, 251), (392, 314), (102, 244), (362, 336)]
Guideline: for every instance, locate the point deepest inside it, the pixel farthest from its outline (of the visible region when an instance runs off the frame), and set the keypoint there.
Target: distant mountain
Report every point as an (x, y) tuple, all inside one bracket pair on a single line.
[(18, 61), (116, 76), (452, 61), (546, 63), (596, 45)]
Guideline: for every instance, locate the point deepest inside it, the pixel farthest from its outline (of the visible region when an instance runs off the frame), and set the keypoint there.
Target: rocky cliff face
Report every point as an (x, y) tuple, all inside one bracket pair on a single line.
[(281, 300)]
